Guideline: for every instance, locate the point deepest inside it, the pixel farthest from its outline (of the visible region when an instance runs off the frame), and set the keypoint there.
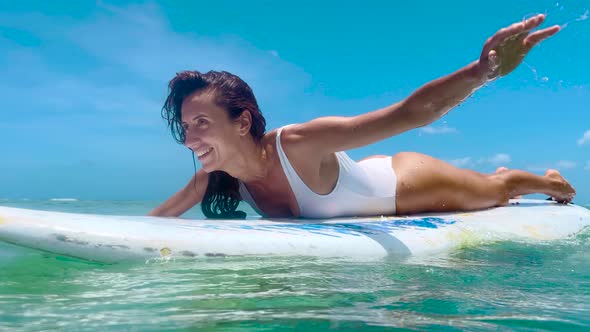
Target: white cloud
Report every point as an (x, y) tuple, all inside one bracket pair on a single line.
[(138, 45), (566, 164), (437, 130), (585, 138), (536, 168), (461, 162), (559, 165), (141, 40), (496, 160)]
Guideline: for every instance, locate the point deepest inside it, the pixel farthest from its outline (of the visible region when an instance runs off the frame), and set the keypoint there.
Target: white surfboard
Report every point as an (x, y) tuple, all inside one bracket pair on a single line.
[(122, 238)]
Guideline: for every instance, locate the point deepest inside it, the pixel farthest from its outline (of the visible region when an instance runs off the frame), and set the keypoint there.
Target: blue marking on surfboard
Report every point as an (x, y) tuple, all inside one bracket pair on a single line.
[(344, 229), (359, 229)]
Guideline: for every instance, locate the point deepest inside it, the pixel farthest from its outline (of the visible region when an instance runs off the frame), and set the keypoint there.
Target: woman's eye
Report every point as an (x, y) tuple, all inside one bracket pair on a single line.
[(201, 122)]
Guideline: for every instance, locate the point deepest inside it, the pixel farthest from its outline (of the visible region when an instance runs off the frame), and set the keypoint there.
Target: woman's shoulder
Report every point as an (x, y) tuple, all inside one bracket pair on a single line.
[(286, 132), (293, 143), (287, 135)]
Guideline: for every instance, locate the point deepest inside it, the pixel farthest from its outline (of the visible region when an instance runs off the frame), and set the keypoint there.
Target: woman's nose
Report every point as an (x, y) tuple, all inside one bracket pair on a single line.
[(190, 137)]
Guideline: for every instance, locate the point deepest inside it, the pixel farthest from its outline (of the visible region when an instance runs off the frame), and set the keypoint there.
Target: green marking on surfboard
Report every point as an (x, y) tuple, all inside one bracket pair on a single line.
[(165, 252)]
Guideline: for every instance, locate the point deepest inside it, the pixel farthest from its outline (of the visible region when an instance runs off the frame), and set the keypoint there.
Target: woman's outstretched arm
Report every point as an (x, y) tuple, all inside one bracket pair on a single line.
[(501, 54)]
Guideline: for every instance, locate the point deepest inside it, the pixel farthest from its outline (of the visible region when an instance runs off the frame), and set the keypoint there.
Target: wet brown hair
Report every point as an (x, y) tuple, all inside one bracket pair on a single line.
[(235, 96)]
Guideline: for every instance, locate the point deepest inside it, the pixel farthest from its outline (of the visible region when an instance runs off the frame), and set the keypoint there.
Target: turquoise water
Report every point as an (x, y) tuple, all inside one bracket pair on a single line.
[(510, 285)]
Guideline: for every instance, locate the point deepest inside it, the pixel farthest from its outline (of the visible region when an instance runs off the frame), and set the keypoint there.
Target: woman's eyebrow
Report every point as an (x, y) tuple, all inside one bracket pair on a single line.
[(198, 116)]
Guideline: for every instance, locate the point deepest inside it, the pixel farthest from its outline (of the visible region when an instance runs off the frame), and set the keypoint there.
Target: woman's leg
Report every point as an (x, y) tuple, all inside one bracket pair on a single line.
[(426, 184), (504, 169)]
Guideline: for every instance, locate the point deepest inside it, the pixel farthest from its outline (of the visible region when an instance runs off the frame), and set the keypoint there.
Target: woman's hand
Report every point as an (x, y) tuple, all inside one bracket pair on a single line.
[(506, 49)]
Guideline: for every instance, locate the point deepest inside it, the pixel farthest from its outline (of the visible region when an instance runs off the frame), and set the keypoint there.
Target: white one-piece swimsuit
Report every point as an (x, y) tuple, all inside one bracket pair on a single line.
[(365, 188)]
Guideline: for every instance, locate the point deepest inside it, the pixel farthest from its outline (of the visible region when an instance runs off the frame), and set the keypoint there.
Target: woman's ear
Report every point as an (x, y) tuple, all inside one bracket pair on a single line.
[(245, 122)]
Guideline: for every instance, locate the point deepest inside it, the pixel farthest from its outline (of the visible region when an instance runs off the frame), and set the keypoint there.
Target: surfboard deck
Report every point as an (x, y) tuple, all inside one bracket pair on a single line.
[(112, 239)]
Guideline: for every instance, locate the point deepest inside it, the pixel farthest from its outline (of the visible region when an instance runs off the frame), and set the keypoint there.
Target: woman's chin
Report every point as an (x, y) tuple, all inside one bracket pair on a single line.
[(209, 167)]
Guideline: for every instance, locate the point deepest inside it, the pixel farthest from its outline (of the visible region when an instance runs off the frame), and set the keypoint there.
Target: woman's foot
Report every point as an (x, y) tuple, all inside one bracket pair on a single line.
[(503, 169), (561, 190)]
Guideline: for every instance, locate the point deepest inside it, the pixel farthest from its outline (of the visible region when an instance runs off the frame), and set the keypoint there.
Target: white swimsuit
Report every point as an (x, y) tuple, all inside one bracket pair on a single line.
[(366, 188)]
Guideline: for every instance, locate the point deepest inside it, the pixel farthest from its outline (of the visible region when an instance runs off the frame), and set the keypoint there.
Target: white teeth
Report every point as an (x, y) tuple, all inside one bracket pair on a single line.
[(204, 152)]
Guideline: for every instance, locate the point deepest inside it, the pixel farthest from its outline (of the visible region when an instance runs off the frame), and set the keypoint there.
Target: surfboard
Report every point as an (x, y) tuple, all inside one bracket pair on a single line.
[(113, 239)]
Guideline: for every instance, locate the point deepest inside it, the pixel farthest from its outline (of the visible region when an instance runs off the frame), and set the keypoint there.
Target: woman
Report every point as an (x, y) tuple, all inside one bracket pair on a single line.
[(300, 171)]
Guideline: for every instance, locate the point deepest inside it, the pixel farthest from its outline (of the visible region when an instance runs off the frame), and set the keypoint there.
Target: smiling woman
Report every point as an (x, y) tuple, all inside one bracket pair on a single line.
[(302, 170), (198, 128)]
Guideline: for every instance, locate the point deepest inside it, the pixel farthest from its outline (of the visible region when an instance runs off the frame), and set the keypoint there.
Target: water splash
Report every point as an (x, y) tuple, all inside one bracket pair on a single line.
[(580, 18), (560, 8), (533, 69), (584, 16)]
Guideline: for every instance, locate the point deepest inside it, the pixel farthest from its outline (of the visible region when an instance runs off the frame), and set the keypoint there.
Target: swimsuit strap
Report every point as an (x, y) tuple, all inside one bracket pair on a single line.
[(298, 187)]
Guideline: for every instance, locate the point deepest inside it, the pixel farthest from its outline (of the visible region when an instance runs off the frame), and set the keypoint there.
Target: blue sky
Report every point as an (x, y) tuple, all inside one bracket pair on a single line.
[(83, 82)]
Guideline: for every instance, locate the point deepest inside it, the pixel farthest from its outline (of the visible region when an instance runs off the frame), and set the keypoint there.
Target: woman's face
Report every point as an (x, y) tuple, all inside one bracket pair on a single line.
[(209, 131)]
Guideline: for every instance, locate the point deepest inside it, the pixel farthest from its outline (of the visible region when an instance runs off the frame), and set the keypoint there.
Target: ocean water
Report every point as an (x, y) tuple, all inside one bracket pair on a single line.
[(502, 286)]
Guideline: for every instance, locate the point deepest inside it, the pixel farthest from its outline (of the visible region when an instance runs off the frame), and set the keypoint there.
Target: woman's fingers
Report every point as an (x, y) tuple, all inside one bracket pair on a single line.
[(502, 35), (534, 21), (513, 31), (506, 48), (538, 36)]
